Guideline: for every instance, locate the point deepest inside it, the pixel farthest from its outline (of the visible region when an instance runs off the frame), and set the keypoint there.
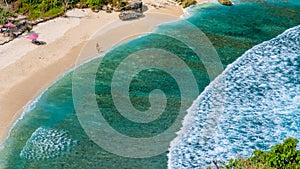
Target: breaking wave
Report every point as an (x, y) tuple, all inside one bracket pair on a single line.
[(253, 104)]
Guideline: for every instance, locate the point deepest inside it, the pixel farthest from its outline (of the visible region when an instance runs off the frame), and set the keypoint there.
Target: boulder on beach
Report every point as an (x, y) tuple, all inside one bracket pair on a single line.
[(128, 15)]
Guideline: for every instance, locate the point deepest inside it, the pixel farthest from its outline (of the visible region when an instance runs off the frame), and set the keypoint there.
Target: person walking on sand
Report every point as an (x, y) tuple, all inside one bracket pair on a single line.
[(98, 48)]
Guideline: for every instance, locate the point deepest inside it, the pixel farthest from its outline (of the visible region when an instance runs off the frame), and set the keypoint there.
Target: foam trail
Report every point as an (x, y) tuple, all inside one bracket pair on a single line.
[(47, 143), (253, 104)]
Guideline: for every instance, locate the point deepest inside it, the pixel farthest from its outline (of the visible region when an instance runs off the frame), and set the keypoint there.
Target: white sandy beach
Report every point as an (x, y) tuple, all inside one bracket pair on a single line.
[(26, 70)]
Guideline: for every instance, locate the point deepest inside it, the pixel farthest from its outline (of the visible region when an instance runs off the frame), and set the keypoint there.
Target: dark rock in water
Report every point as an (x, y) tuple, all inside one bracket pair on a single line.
[(225, 2), (127, 15)]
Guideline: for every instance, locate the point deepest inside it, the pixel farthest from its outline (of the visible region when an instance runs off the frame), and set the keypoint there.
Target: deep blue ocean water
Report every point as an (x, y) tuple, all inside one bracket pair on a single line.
[(50, 135)]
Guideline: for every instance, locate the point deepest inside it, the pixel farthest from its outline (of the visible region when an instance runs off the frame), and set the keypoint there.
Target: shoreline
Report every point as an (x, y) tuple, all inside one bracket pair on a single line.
[(26, 70)]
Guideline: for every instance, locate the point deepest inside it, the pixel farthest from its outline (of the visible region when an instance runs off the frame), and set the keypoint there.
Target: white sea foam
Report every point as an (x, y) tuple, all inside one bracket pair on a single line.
[(47, 143), (189, 11), (254, 103)]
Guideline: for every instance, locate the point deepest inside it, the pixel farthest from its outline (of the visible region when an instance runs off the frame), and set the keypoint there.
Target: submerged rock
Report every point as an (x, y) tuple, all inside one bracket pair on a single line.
[(225, 2)]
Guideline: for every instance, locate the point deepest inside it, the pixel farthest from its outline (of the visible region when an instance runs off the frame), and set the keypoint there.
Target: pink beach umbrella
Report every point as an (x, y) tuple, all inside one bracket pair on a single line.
[(1, 26), (33, 36), (9, 25)]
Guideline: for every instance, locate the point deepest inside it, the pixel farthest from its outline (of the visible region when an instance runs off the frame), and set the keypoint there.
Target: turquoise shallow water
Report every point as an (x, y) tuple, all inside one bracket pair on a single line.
[(50, 135)]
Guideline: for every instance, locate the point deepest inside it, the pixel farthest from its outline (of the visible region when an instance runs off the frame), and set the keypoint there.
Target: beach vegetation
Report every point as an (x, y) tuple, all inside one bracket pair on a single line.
[(96, 3), (35, 9), (46, 9), (283, 155), (39, 8), (5, 14)]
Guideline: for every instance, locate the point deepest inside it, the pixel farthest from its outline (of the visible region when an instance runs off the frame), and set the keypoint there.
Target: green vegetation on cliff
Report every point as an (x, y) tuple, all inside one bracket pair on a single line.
[(280, 156), (51, 8)]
